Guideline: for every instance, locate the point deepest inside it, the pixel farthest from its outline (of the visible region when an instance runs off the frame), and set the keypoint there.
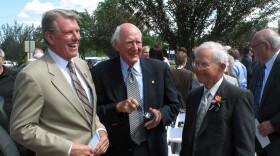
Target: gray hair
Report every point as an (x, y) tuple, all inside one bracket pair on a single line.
[(48, 21), (272, 39), (2, 53), (218, 51), (116, 35)]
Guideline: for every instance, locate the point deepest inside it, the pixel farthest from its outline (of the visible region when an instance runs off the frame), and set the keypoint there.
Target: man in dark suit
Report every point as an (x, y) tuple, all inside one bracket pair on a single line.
[(182, 77), (157, 93), (219, 120), (249, 63), (265, 46)]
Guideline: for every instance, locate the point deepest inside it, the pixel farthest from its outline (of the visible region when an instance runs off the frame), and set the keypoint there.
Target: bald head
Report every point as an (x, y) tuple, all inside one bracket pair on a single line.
[(265, 44), (124, 29)]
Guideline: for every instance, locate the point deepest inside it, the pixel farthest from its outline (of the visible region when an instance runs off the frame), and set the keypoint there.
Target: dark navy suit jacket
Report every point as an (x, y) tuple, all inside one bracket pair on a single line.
[(159, 92)]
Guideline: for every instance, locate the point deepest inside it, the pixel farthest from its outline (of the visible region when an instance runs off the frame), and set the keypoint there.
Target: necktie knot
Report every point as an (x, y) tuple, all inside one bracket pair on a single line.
[(131, 77), (70, 65)]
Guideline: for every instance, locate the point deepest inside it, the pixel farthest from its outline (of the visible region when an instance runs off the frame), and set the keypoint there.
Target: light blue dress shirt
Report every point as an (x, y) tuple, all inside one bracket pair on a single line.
[(240, 71)]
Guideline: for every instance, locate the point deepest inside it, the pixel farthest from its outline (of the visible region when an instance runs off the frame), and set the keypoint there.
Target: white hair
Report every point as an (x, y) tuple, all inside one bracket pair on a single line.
[(2, 53), (116, 35), (218, 51)]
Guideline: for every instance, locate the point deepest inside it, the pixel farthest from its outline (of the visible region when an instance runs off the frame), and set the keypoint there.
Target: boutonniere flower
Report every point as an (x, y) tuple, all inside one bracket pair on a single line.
[(216, 102)]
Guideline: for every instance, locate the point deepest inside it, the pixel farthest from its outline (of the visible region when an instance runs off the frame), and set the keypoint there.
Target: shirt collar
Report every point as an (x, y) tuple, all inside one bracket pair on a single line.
[(269, 64), (214, 89), (61, 62), (124, 66)]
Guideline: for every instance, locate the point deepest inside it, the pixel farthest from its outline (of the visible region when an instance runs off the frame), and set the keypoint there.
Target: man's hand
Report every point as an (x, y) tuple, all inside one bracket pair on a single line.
[(103, 144), (155, 121), (265, 128), (128, 105), (81, 150)]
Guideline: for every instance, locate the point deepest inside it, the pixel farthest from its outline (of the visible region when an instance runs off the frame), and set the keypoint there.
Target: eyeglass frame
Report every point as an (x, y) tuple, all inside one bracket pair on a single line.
[(254, 46), (203, 65)]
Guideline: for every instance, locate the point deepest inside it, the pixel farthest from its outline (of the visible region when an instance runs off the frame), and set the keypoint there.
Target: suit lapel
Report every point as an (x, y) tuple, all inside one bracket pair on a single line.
[(116, 80), (255, 77), (274, 70), (211, 114), (149, 83), (193, 110), (62, 85)]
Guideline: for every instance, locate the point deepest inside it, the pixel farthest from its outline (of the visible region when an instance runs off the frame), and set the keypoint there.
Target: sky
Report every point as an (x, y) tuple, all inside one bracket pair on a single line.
[(30, 12)]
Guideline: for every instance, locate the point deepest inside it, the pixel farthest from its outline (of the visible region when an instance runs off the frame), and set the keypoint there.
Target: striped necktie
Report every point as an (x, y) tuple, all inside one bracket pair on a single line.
[(136, 120), (80, 90)]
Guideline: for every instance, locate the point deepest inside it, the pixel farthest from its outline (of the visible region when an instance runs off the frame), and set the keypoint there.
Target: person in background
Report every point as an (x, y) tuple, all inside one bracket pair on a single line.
[(89, 63), (54, 98), (119, 105), (38, 53), (6, 87), (249, 63), (238, 69), (189, 65), (145, 51), (227, 73), (182, 77), (219, 119), (265, 85)]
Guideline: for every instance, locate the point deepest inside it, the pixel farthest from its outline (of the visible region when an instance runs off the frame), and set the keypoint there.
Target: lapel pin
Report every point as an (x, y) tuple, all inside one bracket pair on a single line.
[(153, 81)]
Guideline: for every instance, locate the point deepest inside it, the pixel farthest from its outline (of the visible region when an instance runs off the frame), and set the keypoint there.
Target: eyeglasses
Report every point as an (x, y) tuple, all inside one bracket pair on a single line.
[(254, 46), (201, 65)]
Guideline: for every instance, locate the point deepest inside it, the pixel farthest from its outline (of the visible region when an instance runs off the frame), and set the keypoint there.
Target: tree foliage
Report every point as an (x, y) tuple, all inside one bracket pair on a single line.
[(189, 22), (97, 29), (13, 40)]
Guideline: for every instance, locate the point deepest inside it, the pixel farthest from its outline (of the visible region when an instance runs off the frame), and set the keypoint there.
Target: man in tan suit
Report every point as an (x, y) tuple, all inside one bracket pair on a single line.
[(49, 116)]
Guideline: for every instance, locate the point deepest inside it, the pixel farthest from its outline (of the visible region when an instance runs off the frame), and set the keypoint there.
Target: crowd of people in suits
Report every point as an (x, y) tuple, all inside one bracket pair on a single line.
[(57, 104)]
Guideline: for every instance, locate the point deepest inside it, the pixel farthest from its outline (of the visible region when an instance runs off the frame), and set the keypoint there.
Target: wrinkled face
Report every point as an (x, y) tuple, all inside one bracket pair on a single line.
[(259, 49), (65, 41), (129, 45), (207, 71)]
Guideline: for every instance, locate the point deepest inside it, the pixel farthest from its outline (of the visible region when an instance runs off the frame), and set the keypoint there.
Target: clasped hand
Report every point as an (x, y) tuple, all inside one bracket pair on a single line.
[(131, 104), (84, 150)]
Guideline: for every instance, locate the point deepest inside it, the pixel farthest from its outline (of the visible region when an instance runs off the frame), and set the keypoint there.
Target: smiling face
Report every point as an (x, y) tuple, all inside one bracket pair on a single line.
[(208, 72), (65, 40), (129, 44)]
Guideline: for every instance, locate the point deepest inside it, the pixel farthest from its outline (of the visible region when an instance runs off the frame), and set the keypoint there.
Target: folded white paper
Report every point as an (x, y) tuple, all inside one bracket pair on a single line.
[(94, 140), (264, 141)]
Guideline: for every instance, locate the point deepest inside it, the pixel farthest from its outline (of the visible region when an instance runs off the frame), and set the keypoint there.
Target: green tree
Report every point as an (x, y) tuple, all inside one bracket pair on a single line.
[(187, 23), (98, 28), (13, 39)]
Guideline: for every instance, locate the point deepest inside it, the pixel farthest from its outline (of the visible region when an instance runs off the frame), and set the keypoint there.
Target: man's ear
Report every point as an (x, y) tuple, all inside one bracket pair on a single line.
[(223, 66), (48, 37), (116, 45)]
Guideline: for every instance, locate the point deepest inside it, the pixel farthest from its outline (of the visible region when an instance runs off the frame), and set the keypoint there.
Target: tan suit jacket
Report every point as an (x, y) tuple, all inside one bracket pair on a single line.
[(47, 115)]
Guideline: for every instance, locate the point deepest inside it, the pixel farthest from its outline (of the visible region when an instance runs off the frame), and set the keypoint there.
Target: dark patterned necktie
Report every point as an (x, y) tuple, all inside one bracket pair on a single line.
[(201, 113), (257, 91), (136, 120), (80, 90)]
